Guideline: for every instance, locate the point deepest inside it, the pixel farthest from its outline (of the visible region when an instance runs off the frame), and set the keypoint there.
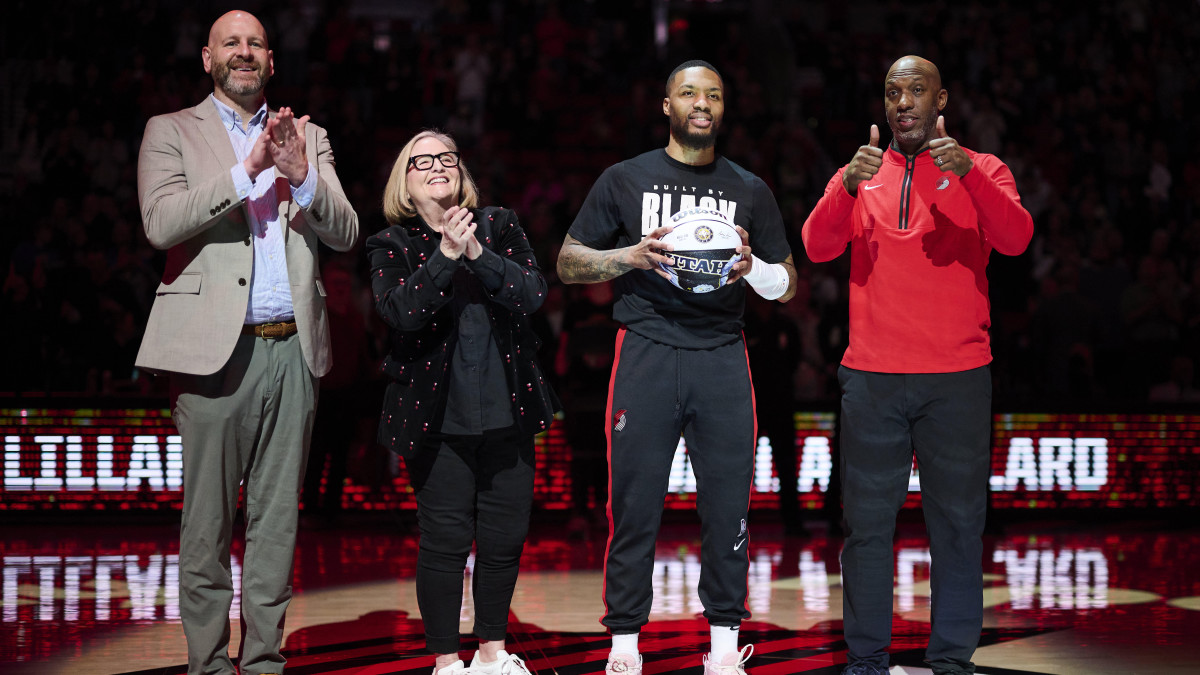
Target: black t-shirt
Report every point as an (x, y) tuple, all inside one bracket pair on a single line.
[(632, 198)]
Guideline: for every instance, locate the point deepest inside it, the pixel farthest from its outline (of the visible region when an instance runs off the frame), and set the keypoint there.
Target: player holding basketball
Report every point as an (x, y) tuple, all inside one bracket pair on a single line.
[(681, 363), (921, 218)]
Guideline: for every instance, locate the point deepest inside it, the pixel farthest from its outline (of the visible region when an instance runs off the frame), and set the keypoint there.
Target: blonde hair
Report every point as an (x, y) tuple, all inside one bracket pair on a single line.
[(397, 202)]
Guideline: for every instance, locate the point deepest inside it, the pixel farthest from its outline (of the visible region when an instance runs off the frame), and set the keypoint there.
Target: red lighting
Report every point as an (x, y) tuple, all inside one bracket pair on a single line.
[(131, 459)]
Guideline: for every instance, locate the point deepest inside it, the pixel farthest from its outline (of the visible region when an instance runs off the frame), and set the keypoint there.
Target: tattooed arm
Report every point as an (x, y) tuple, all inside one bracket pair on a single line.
[(579, 264)]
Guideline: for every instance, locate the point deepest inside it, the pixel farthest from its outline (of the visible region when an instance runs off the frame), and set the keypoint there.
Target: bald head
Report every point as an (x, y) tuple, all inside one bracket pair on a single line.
[(235, 21), (909, 66)]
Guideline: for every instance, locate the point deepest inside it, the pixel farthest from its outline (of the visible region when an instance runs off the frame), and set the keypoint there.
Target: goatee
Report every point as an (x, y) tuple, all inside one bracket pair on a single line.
[(921, 134)]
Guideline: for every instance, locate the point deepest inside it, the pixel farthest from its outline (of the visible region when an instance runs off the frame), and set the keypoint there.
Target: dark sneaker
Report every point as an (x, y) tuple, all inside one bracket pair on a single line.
[(861, 668)]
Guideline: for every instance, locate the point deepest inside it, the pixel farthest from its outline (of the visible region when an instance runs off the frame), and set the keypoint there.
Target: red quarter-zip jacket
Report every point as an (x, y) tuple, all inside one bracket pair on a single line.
[(919, 245)]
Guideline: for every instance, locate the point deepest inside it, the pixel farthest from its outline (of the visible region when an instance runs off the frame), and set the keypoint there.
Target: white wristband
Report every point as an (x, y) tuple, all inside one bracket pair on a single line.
[(770, 280)]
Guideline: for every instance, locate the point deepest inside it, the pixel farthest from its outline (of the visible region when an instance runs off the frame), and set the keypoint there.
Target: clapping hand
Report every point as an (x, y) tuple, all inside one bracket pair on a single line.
[(287, 145), (458, 234)]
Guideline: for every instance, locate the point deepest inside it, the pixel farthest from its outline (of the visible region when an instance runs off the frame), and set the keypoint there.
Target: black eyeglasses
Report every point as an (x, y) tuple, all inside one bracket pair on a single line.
[(448, 159)]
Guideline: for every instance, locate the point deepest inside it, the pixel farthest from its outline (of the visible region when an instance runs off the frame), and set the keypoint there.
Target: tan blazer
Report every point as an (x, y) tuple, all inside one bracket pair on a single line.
[(191, 209)]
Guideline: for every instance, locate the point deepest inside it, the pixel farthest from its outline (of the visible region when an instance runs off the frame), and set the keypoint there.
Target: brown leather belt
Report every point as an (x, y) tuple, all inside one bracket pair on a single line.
[(270, 331)]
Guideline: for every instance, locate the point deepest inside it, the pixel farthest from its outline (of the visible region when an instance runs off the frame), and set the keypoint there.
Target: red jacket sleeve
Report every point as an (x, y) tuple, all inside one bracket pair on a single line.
[(829, 227), (1006, 224)]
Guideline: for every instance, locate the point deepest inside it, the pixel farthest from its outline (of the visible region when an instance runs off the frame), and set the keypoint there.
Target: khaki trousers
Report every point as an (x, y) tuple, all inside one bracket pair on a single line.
[(247, 425)]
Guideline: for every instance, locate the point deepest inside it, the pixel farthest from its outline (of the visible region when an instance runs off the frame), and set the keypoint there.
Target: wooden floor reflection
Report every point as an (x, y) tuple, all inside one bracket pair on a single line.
[(1066, 598)]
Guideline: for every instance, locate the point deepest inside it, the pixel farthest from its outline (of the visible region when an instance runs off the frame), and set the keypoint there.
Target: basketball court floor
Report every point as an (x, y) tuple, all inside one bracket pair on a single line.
[(1066, 597)]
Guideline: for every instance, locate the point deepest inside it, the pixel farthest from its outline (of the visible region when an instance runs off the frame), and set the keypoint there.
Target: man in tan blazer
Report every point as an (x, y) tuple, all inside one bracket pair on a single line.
[(239, 196)]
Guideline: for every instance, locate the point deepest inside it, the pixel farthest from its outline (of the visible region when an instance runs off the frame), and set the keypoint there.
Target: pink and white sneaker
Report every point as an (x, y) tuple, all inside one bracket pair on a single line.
[(731, 664), (624, 663)]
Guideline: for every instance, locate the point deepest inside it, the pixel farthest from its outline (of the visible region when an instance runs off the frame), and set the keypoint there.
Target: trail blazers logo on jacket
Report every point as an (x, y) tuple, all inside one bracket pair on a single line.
[(619, 420)]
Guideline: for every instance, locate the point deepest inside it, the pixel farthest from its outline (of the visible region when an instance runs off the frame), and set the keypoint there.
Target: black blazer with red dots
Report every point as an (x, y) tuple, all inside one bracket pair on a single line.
[(412, 294)]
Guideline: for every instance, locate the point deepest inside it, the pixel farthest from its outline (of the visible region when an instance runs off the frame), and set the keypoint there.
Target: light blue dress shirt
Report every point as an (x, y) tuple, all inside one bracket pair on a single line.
[(270, 290)]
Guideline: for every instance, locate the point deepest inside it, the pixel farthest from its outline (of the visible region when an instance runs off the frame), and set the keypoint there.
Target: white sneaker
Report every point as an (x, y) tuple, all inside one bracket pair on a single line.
[(624, 663), (731, 664), (456, 668), (505, 664)]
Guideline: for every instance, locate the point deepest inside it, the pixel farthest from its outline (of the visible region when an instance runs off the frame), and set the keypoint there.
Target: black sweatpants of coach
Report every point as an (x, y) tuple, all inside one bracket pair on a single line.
[(945, 419), (658, 392)]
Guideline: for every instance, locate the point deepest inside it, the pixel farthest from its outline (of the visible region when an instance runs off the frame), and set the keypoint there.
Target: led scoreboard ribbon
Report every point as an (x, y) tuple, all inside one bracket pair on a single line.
[(1095, 461), (73, 459)]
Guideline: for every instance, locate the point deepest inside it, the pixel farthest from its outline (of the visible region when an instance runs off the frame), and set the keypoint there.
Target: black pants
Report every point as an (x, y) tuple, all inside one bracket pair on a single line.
[(658, 392), (945, 419), (470, 489)]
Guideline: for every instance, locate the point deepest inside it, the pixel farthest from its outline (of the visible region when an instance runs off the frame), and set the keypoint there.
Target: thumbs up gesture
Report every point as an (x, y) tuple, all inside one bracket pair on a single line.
[(947, 154), (865, 163)]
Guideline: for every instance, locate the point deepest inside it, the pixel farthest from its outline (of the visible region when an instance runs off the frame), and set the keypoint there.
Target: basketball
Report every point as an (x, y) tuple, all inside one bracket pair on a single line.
[(705, 243)]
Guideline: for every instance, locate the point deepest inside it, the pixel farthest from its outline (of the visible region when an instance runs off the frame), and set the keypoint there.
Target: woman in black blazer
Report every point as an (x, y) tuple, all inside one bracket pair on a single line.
[(456, 284)]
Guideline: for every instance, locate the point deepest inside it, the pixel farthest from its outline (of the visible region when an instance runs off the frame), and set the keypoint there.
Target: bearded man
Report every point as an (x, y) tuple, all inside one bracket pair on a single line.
[(921, 217), (239, 196), (681, 362)]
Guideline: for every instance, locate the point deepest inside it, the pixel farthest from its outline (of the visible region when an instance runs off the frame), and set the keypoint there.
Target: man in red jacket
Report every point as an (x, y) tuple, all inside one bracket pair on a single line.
[(921, 218)]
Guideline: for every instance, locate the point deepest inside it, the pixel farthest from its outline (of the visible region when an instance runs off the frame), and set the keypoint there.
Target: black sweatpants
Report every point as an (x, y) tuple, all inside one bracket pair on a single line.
[(470, 489), (945, 418), (656, 393)]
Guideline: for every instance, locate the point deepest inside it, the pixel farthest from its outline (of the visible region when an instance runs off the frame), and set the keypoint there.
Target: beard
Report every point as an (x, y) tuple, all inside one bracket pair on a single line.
[(223, 75), (690, 138), (919, 135)]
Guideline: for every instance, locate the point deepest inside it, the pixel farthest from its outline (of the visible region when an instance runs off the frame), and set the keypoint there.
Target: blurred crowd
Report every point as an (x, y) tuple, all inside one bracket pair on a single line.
[(1085, 103)]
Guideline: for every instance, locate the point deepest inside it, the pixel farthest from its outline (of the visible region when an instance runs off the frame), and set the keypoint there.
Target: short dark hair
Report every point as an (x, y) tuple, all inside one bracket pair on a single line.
[(694, 63)]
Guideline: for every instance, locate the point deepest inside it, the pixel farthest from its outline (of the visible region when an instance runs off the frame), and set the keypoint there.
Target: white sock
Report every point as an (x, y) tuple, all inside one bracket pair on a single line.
[(624, 644), (724, 641)]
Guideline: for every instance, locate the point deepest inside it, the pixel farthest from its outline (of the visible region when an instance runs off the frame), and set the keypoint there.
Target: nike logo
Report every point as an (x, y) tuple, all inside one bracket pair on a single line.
[(739, 544), (872, 187)]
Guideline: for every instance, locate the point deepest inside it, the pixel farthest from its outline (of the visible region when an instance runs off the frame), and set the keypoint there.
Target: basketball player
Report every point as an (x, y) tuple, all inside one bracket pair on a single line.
[(681, 362), (921, 218)]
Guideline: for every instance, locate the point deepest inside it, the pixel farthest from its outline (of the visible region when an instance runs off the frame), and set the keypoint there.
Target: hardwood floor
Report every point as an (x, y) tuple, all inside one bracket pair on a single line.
[(1060, 598)]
